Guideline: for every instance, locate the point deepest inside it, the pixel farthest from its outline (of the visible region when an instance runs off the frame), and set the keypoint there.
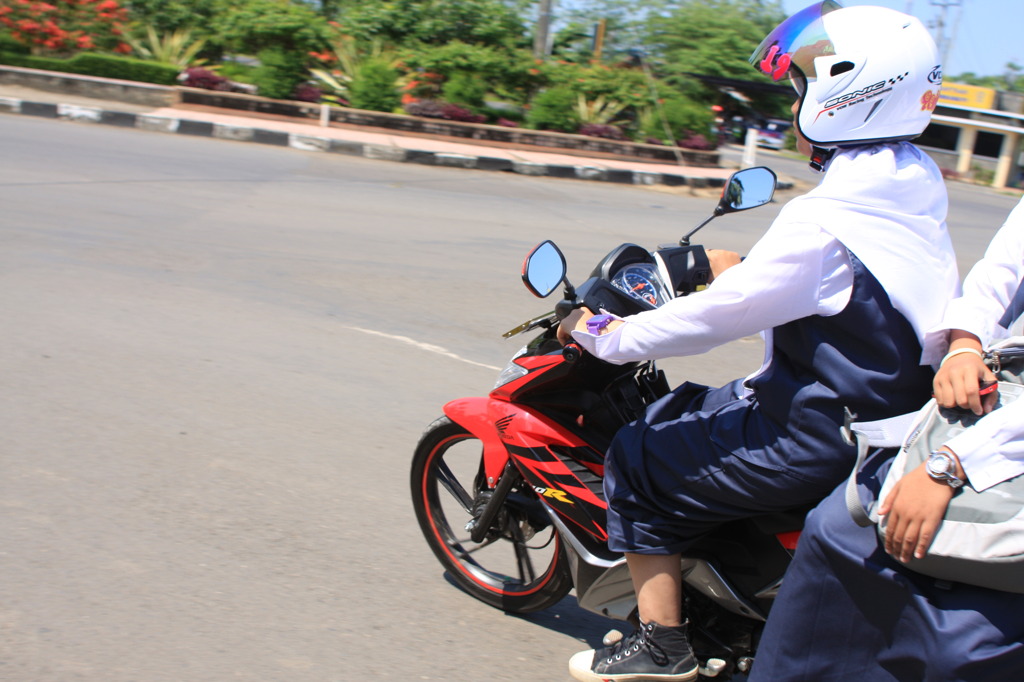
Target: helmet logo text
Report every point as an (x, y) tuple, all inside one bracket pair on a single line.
[(929, 100), (855, 94)]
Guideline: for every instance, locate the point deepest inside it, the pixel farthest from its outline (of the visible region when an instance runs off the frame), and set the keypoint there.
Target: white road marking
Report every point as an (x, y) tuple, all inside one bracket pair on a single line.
[(430, 348)]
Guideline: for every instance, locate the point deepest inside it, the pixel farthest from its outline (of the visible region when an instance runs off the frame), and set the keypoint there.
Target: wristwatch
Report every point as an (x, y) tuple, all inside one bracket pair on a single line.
[(942, 468), (597, 323)]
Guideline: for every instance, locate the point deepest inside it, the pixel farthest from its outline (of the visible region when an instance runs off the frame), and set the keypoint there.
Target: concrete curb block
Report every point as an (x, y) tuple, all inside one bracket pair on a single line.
[(157, 124), (309, 143), (313, 143)]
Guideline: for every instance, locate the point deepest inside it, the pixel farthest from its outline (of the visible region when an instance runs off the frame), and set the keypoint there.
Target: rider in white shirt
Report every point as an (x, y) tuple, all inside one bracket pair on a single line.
[(846, 284)]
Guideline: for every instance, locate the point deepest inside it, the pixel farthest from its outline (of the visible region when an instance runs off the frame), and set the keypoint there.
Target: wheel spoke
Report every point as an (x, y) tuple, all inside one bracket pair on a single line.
[(450, 483), (467, 552), (526, 572)]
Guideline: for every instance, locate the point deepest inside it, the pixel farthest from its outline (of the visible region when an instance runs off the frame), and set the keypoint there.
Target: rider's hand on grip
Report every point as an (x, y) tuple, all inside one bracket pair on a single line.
[(577, 319), (720, 261)]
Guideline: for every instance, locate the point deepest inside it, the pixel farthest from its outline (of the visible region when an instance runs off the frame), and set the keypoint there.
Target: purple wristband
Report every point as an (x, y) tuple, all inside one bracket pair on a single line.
[(598, 323)]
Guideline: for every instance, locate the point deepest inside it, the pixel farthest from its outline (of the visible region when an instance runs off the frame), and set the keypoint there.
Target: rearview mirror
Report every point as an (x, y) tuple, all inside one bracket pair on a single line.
[(746, 189), (544, 269)]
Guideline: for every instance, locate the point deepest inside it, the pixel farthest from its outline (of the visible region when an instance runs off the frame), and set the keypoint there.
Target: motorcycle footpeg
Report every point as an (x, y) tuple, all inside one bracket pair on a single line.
[(713, 668), (612, 637)]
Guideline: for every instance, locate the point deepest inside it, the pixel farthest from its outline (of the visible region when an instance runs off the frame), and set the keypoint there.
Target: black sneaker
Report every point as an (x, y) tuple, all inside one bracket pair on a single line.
[(654, 652)]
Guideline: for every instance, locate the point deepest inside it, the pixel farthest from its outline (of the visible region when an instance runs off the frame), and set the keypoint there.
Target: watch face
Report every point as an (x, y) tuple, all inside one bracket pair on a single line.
[(941, 467), (940, 464)]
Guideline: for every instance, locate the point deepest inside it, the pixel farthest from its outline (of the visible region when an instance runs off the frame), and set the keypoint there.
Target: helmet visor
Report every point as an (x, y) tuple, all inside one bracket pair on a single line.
[(796, 42)]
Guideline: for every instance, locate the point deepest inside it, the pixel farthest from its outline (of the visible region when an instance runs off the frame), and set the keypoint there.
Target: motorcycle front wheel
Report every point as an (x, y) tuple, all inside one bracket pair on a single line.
[(520, 567)]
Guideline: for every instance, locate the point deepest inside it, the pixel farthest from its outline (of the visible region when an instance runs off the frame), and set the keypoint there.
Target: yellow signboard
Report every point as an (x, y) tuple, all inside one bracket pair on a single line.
[(973, 96)]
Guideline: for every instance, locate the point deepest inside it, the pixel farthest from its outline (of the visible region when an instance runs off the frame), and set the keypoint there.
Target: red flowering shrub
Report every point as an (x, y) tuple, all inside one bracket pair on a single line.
[(426, 108), (429, 108), (608, 132), (697, 142), (307, 92), (65, 26), (453, 112), (197, 77)]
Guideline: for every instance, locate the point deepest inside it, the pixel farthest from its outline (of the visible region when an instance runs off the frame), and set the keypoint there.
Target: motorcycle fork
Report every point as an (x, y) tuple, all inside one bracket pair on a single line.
[(482, 524)]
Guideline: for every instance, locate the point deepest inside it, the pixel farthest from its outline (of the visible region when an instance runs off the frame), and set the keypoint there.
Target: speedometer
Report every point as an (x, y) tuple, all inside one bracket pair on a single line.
[(641, 281)]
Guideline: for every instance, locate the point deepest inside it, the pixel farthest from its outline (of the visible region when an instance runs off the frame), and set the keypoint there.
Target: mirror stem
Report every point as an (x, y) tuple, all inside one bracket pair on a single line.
[(685, 241)]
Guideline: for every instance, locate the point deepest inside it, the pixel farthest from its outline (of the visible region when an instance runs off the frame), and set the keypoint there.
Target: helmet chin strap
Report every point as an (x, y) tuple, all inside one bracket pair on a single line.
[(820, 157)]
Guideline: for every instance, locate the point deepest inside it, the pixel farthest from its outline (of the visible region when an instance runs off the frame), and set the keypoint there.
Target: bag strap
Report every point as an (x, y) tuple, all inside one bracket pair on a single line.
[(883, 433)]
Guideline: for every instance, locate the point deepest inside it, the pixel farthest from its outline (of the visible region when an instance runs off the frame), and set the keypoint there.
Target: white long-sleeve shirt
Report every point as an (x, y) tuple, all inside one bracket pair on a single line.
[(993, 449), (794, 271), (885, 204)]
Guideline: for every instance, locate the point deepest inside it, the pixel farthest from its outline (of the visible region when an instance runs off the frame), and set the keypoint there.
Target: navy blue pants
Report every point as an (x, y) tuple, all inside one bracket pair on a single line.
[(701, 457), (848, 611)]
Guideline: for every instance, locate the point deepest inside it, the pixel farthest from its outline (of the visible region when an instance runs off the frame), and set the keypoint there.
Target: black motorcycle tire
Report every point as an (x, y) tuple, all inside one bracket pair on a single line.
[(533, 589)]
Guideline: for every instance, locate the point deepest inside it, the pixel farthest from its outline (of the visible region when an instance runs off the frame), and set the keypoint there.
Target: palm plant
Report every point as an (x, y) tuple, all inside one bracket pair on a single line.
[(177, 48), (348, 58), (599, 111)]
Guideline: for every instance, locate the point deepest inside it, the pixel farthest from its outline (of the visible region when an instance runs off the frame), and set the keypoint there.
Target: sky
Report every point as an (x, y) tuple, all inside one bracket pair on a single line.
[(985, 34)]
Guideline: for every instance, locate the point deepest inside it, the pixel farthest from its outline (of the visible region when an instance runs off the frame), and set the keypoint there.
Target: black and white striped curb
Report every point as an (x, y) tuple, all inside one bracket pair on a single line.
[(181, 126)]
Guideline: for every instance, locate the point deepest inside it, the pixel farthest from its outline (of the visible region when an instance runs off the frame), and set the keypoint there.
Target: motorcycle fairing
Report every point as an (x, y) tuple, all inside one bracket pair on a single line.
[(506, 429), (534, 364), (561, 489), (474, 415)]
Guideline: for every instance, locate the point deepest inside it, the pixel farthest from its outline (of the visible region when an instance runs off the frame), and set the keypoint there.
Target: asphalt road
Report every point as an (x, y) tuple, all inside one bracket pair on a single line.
[(217, 360)]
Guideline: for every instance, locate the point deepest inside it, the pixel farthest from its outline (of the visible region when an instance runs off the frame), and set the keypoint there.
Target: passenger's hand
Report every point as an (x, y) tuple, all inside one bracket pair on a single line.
[(958, 381), (573, 321), (720, 261), (914, 509)]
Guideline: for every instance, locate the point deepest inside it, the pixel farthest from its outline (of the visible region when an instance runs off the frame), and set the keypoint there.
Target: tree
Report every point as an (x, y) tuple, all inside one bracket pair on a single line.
[(1010, 80), (254, 25), (714, 38), (436, 22), (168, 16), (625, 27)]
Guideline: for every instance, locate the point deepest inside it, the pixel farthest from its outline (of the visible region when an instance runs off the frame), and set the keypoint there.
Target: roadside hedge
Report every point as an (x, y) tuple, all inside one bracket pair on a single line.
[(102, 65)]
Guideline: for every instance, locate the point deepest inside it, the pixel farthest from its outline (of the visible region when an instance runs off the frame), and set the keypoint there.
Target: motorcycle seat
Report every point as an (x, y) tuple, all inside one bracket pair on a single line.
[(787, 521)]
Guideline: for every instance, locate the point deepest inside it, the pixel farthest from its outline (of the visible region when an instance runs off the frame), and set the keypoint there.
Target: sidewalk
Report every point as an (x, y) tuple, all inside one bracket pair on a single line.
[(309, 135)]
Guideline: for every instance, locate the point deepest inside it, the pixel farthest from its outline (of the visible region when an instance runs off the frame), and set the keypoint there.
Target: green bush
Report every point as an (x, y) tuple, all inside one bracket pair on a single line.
[(9, 44), (466, 90), (554, 109), (103, 65), (243, 73), (790, 143), (374, 86), (684, 116), (280, 72)]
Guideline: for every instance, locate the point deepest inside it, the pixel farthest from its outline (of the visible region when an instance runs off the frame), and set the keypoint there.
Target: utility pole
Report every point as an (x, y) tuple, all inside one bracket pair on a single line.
[(599, 29), (944, 43), (540, 38)]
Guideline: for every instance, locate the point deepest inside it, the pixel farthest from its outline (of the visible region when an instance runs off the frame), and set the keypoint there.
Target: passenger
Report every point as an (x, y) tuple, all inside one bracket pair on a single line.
[(846, 282), (848, 609)]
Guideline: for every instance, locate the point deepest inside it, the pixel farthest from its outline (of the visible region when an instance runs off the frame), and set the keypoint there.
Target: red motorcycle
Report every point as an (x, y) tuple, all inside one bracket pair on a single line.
[(508, 488)]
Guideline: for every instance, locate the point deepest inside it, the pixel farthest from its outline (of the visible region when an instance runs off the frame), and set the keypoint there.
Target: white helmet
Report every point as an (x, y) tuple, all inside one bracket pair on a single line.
[(864, 74)]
